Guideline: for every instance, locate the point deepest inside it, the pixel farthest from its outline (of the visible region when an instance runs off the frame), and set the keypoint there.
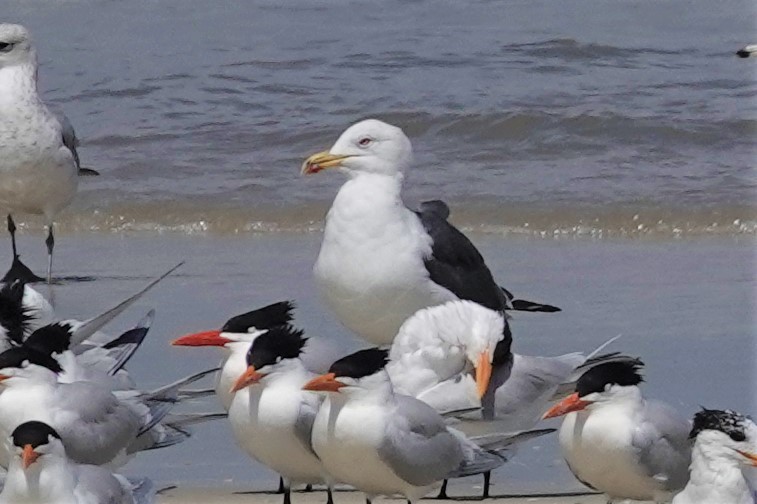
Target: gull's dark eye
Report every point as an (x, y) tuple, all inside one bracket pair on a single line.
[(5, 47), (363, 142)]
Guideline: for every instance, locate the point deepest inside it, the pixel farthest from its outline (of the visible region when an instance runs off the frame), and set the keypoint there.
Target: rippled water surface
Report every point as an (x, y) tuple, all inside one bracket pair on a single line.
[(529, 116)]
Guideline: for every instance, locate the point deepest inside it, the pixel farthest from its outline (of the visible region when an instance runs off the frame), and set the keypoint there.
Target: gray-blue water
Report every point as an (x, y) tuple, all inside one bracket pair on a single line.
[(531, 115)]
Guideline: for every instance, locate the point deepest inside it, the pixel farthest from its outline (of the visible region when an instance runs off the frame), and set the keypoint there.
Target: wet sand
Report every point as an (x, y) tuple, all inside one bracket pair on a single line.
[(687, 307), (190, 495)]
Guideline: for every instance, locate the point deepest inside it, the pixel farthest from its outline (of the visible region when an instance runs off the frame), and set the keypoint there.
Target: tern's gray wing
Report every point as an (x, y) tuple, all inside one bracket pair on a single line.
[(417, 446), (93, 424), (97, 485), (662, 442)]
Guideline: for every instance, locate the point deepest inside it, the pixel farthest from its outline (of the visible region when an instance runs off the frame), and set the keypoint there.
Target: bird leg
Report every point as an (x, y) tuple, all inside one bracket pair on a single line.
[(308, 487), (50, 242), (487, 481), (287, 493), (330, 499), (19, 270), (443, 491), (281, 486), (12, 231)]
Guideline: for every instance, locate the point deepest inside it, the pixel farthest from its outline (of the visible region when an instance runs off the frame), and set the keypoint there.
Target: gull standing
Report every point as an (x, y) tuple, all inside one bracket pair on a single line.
[(38, 160), (380, 262), (41, 473), (724, 443), (384, 443), (619, 443), (271, 416)]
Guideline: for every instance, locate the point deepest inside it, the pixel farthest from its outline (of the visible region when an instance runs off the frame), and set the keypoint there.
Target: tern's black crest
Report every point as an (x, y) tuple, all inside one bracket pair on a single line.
[(50, 339), (282, 342), (362, 363), (33, 433), (729, 422), (15, 358), (263, 318), (612, 373), (14, 317)]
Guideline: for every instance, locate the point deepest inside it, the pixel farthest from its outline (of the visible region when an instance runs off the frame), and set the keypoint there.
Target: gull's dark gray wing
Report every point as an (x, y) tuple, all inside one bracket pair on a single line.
[(455, 263)]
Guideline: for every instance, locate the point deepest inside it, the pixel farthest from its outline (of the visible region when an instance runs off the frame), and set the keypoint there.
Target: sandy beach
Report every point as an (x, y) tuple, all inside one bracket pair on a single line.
[(189, 495)]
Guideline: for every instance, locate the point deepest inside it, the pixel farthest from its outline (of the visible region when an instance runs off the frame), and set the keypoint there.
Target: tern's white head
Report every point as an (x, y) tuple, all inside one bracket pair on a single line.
[(603, 384), (33, 442), (20, 365), (359, 374), (370, 146), (726, 436), (271, 353), (452, 338), (242, 328), (15, 46)]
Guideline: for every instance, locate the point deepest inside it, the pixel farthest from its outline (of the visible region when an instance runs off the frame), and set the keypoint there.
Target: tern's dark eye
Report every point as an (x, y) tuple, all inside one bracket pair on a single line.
[(5, 47), (737, 436), (365, 141)]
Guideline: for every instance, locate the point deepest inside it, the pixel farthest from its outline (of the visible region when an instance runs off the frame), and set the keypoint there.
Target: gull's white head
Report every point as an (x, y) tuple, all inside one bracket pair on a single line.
[(370, 146), (15, 45), (451, 338), (726, 436)]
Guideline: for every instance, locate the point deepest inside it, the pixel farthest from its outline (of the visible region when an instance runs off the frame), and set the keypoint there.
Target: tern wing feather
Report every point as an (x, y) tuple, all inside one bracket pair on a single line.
[(418, 448), (662, 442)]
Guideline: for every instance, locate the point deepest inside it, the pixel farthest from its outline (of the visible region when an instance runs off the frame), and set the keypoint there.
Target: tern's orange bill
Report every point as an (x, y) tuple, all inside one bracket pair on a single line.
[(324, 383), (28, 456), (204, 338), (483, 373), (567, 405), (247, 378)]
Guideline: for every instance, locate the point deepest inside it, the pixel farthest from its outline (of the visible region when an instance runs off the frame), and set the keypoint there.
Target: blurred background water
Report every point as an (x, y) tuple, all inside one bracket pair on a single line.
[(530, 116)]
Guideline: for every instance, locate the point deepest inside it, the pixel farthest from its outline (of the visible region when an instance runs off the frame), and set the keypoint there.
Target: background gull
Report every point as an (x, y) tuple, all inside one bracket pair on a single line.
[(38, 158)]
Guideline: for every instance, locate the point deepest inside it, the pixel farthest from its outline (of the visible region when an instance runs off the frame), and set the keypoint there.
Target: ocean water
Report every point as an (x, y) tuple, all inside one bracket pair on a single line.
[(603, 118)]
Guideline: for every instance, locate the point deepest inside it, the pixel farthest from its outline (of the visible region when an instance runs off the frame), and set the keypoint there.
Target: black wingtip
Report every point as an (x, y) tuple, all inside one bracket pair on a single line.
[(743, 53), (88, 172), (21, 272), (530, 306)]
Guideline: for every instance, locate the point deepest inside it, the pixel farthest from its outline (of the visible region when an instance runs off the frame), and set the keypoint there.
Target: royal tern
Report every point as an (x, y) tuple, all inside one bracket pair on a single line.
[(98, 425), (235, 337), (619, 443), (41, 473), (380, 262), (724, 443), (271, 416), (38, 162), (384, 443)]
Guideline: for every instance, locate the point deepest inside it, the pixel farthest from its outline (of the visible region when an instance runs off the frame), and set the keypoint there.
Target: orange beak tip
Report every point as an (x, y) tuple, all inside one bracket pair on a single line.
[(247, 378), (567, 405), (28, 456), (324, 383)]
